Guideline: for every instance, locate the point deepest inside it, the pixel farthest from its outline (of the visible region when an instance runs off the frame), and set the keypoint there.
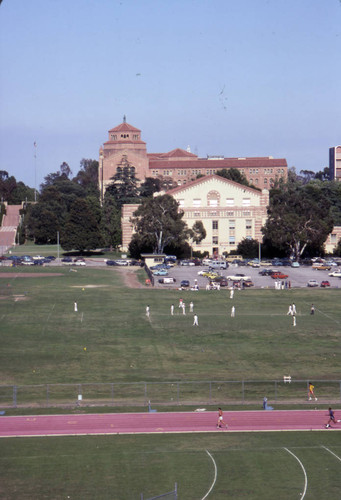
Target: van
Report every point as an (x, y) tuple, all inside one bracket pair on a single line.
[(218, 264)]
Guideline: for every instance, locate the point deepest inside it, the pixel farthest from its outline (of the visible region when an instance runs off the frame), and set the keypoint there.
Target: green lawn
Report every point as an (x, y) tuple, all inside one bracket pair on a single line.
[(250, 465)]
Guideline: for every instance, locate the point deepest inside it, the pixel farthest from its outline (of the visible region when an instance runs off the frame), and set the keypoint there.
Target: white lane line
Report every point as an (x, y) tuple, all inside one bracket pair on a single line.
[(330, 451), (304, 472), (215, 475)]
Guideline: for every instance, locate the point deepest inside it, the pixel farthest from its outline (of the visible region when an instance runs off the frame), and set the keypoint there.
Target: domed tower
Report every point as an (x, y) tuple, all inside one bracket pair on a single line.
[(124, 149)]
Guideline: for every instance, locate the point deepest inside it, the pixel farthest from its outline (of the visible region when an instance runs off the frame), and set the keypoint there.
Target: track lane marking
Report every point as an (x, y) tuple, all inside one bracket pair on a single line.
[(330, 451), (304, 472), (215, 475)]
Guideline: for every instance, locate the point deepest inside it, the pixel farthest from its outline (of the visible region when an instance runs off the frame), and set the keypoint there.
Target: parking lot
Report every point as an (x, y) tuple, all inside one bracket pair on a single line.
[(298, 276)]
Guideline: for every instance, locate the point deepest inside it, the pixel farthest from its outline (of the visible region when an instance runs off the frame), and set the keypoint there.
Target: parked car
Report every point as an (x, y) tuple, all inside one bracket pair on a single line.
[(325, 284), (184, 284), (335, 274), (160, 272), (312, 283), (295, 264), (67, 260), (279, 276), (111, 263), (80, 263), (121, 262), (247, 283), (321, 267), (265, 272)]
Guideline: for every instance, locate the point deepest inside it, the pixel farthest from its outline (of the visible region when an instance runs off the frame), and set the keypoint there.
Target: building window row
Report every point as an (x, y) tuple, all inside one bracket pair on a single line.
[(124, 136), (210, 171)]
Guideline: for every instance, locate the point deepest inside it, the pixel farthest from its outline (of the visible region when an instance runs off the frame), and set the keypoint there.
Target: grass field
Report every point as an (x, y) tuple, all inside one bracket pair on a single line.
[(253, 466), (43, 341)]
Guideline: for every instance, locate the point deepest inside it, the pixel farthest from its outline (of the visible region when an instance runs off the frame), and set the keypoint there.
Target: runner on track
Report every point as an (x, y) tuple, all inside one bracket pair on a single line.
[(220, 422), (311, 392), (331, 417)]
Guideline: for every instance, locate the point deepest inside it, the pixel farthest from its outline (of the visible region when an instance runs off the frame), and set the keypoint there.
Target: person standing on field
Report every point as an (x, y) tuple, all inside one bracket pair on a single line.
[(191, 305), (290, 311), (312, 309), (231, 293), (147, 311), (172, 310), (195, 320), (233, 312), (75, 307)]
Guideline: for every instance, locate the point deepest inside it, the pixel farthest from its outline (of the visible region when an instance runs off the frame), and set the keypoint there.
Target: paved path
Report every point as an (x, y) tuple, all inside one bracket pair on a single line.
[(136, 423)]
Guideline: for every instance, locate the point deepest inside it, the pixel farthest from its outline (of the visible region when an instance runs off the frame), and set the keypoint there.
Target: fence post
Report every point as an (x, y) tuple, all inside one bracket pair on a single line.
[(275, 390), (178, 393), (210, 399), (145, 393), (15, 390), (47, 395), (243, 392), (112, 394)]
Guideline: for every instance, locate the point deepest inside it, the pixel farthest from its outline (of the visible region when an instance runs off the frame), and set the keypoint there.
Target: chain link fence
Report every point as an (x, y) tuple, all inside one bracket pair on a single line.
[(213, 392)]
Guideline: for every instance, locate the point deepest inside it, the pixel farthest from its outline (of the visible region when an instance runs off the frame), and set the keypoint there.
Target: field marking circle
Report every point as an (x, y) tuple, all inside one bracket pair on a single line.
[(304, 472), (215, 475)]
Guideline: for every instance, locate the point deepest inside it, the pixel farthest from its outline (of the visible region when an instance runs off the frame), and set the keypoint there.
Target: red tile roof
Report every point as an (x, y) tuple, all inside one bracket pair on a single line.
[(124, 127), (219, 164)]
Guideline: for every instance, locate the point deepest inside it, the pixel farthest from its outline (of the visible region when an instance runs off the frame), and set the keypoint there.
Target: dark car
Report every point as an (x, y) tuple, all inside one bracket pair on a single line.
[(184, 284), (265, 272), (111, 263), (66, 259)]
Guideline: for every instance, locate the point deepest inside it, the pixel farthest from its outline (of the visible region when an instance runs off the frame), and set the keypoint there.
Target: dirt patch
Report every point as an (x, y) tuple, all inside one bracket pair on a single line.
[(89, 286), (129, 277)]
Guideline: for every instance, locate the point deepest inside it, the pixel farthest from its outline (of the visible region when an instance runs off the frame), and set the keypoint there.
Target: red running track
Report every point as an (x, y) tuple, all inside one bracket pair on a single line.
[(135, 423)]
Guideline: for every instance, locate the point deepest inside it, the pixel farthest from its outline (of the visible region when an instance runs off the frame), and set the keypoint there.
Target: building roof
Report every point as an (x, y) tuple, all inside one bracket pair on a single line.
[(160, 162), (209, 178), (124, 127)]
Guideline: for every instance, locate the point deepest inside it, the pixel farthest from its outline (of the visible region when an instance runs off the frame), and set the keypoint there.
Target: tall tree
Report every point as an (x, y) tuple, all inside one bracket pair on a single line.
[(149, 187), (111, 222), (81, 231), (198, 232), (87, 177), (298, 216), (159, 221), (124, 186), (233, 174)]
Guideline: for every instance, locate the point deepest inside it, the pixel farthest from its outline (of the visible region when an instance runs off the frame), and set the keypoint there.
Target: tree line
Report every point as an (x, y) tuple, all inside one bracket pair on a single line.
[(301, 213)]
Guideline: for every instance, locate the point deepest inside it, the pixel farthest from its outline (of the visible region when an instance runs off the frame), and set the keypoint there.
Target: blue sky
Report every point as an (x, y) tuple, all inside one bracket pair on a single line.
[(233, 78)]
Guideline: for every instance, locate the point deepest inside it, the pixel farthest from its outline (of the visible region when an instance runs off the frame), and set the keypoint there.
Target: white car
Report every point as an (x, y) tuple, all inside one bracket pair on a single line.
[(80, 263), (335, 274), (312, 283)]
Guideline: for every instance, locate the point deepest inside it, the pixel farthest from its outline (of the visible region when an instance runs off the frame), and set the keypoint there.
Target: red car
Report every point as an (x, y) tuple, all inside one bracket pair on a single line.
[(279, 276), (324, 284)]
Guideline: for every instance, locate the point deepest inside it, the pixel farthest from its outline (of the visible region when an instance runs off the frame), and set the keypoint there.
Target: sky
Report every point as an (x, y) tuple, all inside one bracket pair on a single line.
[(235, 78)]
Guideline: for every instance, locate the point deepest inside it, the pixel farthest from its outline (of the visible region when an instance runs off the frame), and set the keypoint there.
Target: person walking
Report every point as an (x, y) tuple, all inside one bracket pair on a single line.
[(184, 308), (231, 293), (233, 312), (311, 392), (172, 310), (294, 320), (195, 320), (75, 307), (293, 309), (191, 305), (221, 422), (147, 311), (312, 309), (290, 311), (180, 302)]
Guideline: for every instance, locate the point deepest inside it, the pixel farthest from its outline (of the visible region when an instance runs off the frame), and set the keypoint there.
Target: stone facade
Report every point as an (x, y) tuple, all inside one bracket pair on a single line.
[(229, 212)]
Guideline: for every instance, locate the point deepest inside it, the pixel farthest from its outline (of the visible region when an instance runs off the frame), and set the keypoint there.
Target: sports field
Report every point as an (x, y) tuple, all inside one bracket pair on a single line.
[(43, 341)]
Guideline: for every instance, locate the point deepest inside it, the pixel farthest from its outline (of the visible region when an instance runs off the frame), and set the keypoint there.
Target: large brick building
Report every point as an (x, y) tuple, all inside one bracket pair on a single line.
[(335, 163), (125, 148)]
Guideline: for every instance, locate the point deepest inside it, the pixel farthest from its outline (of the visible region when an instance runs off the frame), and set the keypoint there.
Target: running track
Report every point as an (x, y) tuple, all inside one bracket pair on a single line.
[(141, 423)]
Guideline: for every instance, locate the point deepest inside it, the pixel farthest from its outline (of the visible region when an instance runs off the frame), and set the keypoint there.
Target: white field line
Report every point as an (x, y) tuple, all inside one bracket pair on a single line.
[(331, 452), (304, 472), (215, 475)]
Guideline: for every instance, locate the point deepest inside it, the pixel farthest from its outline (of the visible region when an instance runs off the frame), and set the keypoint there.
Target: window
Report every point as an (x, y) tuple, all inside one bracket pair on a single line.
[(248, 224), (214, 224), (196, 214), (197, 202), (265, 180), (246, 202), (215, 240), (232, 240), (229, 202), (213, 203), (232, 224)]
